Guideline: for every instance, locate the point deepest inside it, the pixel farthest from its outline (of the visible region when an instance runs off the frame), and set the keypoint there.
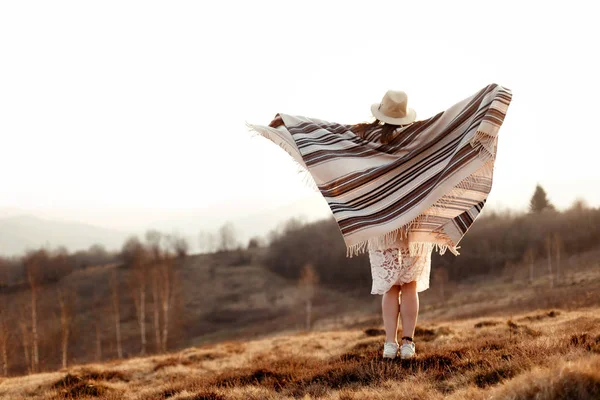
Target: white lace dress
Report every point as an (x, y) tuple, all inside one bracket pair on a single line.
[(394, 266)]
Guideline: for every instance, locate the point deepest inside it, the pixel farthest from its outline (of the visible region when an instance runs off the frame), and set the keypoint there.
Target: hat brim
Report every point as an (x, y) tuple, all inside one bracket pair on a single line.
[(411, 115)]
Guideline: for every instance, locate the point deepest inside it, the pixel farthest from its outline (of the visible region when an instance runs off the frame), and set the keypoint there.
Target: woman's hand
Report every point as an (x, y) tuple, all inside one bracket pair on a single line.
[(277, 121)]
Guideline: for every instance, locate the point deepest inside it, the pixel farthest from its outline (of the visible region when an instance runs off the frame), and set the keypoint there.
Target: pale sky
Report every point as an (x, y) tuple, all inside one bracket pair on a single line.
[(121, 112)]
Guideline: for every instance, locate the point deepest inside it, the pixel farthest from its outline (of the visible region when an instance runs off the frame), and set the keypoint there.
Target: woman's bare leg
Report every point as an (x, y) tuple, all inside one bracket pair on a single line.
[(390, 309), (409, 309)]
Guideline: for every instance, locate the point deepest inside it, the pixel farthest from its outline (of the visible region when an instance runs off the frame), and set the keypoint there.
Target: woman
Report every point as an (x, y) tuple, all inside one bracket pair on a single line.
[(394, 273), (400, 188)]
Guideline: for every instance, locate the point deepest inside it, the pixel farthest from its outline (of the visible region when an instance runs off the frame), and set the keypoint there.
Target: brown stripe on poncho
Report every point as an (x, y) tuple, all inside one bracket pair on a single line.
[(428, 183)]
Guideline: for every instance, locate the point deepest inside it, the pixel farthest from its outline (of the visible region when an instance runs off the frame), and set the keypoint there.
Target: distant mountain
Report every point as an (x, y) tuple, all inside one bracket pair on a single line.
[(19, 233), (247, 226), (20, 230)]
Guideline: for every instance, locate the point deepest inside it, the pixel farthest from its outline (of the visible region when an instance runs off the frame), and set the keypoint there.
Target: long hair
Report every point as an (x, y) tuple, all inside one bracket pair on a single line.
[(387, 130)]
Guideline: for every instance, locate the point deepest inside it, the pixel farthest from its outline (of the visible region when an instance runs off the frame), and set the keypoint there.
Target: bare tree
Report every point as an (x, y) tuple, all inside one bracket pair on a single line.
[(35, 356), (255, 242), (529, 260), (557, 246), (117, 315), (4, 336), (178, 244), (4, 316), (139, 298), (98, 252), (153, 240), (308, 283), (156, 306), (227, 239), (168, 280), (26, 342), (579, 205), (548, 243), (98, 311), (134, 256), (65, 302), (211, 242), (33, 266), (206, 242)]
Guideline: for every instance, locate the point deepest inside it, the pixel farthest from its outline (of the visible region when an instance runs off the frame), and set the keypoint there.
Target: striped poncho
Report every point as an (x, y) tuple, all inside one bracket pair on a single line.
[(428, 184)]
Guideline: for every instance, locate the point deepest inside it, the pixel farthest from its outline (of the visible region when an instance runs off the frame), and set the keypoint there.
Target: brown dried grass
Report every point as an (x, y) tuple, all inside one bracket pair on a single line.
[(542, 356)]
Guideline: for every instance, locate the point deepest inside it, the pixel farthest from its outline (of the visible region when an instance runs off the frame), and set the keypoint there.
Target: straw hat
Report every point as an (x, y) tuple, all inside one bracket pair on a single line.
[(393, 109)]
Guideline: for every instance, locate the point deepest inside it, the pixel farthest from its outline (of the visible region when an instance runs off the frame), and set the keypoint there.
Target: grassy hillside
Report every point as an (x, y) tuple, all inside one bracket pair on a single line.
[(493, 338), (550, 354), (217, 297)]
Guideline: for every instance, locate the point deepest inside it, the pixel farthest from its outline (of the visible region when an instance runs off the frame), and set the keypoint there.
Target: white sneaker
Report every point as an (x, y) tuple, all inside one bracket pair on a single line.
[(390, 350), (407, 351)]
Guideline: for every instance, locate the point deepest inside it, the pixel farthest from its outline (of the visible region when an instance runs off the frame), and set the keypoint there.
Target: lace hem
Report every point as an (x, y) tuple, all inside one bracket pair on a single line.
[(395, 266)]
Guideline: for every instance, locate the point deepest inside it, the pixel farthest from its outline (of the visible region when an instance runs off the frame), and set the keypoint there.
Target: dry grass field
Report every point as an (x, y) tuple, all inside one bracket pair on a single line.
[(541, 354), (493, 338)]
